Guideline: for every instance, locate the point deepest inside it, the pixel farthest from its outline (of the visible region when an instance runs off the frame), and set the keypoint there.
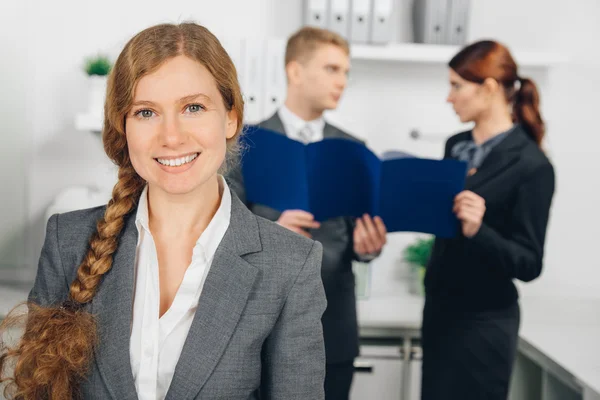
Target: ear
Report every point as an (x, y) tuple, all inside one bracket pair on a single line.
[(293, 71), (232, 124), (490, 85)]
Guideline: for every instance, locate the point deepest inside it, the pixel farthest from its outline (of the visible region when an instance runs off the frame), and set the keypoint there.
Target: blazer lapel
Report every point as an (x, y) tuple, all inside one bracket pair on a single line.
[(503, 156), (113, 307), (226, 290)]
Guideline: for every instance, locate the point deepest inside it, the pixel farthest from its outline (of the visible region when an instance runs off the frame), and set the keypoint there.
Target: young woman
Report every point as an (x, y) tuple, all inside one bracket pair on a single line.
[(174, 289), (471, 316)]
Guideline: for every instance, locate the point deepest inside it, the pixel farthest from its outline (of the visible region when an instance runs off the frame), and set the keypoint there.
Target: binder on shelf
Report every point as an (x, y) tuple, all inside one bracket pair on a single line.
[(360, 21), (253, 89), (381, 21), (315, 13), (274, 79), (339, 177), (458, 19), (430, 20), (339, 15)]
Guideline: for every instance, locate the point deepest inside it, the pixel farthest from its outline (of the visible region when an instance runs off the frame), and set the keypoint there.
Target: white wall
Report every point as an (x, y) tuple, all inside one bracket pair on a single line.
[(15, 133), (572, 261), (383, 102)]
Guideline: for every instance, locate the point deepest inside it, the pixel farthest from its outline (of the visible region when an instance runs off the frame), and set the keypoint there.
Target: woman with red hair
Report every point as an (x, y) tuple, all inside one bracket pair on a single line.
[(471, 316), (174, 289)]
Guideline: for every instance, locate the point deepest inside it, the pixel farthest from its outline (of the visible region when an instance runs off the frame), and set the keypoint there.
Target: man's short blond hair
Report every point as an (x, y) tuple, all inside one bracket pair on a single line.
[(302, 44)]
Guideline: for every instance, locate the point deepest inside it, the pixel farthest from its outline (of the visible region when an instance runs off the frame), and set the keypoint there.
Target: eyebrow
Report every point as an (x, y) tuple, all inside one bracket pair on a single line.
[(192, 97), (338, 67), (184, 99)]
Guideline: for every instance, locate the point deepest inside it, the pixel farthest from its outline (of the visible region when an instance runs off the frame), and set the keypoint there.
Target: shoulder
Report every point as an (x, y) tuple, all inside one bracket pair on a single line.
[(72, 226), (454, 139), (282, 247), (534, 161), (269, 123), (457, 137), (340, 133), (73, 231), (80, 219), (283, 258), (65, 245)]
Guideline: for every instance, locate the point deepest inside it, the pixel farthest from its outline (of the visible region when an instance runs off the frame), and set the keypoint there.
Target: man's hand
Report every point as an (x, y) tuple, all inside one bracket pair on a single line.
[(369, 235), (298, 221)]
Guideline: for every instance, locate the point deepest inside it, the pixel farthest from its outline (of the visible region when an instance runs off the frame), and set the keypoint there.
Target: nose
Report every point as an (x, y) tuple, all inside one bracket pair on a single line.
[(172, 134), (341, 82), (450, 98)]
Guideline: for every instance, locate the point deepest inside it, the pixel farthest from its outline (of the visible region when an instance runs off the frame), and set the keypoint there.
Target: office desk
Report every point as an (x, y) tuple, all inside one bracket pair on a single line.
[(559, 346)]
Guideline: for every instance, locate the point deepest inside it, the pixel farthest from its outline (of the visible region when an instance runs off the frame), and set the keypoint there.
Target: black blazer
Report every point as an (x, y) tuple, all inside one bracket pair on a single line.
[(340, 327), (517, 182)]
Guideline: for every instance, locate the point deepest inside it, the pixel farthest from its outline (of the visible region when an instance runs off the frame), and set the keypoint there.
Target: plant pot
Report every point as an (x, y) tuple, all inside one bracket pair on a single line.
[(97, 93)]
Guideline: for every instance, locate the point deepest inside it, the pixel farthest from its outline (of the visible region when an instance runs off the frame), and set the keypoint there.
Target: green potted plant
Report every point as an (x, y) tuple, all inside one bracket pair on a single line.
[(97, 69), (416, 255)]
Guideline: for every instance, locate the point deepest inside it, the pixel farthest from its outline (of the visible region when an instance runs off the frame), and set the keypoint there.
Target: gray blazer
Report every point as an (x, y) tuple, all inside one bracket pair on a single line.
[(257, 331), (339, 320)]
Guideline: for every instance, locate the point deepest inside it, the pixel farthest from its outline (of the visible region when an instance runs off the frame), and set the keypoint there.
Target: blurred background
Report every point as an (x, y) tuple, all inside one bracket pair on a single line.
[(52, 160)]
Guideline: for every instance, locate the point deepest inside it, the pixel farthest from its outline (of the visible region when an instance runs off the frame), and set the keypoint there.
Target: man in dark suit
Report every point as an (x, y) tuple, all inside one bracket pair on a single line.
[(317, 62)]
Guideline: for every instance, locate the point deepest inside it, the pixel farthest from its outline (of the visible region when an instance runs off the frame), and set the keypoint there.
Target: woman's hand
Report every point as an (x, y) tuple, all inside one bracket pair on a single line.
[(469, 208)]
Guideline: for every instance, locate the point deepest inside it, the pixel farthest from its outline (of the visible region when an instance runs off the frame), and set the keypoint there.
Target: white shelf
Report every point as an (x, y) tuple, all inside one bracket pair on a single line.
[(441, 54), (88, 122), (397, 52)]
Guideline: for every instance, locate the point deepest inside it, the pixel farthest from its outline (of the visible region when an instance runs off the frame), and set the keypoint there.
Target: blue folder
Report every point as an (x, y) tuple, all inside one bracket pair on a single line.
[(338, 177)]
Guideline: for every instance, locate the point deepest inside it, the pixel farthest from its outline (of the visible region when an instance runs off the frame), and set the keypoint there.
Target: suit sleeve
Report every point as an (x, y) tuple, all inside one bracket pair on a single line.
[(51, 285), (520, 254), (294, 352)]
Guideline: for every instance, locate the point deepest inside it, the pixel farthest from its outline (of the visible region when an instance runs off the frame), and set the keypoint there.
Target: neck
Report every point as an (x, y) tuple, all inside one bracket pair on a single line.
[(182, 215), (492, 125), (302, 108)]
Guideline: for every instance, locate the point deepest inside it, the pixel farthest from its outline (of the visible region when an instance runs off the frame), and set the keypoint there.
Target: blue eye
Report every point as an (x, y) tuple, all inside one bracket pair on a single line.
[(195, 108)]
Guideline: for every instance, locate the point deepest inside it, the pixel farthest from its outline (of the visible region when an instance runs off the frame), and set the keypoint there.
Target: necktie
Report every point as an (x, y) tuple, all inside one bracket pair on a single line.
[(305, 134)]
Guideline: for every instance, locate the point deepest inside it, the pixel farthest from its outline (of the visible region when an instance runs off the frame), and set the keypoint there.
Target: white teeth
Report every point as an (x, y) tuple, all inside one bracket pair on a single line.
[(178, 161)]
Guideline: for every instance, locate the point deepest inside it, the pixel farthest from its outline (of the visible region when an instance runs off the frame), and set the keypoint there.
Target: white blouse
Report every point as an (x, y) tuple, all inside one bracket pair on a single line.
[(156, 343)]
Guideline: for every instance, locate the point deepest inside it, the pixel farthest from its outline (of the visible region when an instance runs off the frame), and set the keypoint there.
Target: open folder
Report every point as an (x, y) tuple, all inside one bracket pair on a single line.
[(339, 177)]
